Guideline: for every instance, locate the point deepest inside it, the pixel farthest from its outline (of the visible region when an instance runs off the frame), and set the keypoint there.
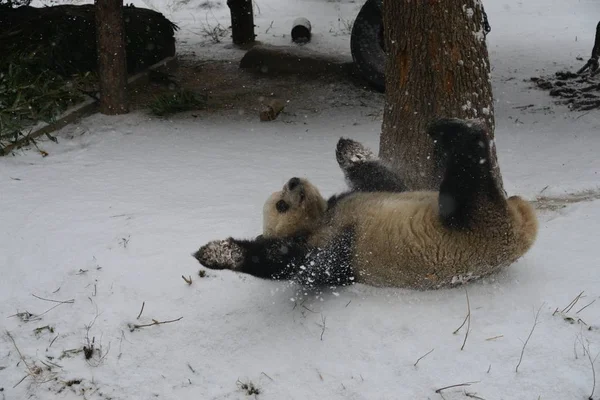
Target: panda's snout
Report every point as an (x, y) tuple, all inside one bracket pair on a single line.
[(293, 183)]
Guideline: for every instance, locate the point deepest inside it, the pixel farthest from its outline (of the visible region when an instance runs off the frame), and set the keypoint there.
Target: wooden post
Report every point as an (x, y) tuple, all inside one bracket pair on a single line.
[(242, 21), (112, 62)]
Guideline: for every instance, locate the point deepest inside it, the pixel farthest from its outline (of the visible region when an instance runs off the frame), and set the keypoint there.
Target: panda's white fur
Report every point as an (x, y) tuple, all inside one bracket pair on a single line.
[(399, 239)]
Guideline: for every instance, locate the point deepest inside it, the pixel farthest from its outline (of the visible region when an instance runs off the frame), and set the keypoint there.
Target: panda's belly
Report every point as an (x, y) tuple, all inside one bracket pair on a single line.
[(400, 241)]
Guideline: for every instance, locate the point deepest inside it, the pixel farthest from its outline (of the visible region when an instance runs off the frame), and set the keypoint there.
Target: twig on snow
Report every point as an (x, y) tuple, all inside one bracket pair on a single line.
[(320, 376), (467, 320), (466, 316), (494, 337), (270, 26), (586, 306), (133, 327), (453, 386), (267, 376), (187, 280), (50, 345), (535, 322), (423, 356), (587, 351), (22, 379), (323, 318), (473, 396), (31, 370), (55, 301), (572, 303), (306, 308), (142, 310)]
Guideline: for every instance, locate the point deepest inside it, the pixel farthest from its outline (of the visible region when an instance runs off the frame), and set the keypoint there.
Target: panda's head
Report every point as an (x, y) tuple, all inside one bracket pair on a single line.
[(296, 209)]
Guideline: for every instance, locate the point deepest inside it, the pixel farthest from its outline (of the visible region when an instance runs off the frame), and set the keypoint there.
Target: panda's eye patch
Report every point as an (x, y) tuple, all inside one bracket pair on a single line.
[(282, 206)]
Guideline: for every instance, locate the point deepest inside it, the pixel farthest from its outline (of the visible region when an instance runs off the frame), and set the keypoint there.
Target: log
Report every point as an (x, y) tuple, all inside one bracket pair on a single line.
[(293, 60)]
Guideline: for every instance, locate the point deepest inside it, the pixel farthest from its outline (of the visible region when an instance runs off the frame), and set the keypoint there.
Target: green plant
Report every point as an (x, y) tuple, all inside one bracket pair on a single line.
[(171, 103), (29, 94)]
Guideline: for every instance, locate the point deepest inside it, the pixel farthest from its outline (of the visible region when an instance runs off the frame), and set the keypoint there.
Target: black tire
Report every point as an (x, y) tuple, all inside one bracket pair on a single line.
[(367, 45)]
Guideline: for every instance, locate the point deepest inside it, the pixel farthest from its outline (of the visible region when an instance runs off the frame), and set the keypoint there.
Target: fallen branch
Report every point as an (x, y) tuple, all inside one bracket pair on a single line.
[(423, 356), (535, 322), (133, 327), (187, 280)]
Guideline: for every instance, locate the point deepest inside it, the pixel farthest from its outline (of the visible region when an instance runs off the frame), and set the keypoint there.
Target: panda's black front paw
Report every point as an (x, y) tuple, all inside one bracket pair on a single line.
[(349, 153), (220, 254)]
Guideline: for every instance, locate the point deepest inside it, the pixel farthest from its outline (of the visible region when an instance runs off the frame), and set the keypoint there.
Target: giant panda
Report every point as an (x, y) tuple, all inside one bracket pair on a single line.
[(379, 233)]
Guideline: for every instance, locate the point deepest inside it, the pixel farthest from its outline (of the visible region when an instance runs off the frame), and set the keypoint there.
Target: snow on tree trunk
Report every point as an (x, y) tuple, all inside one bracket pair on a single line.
[(112, 62), (437, 66)]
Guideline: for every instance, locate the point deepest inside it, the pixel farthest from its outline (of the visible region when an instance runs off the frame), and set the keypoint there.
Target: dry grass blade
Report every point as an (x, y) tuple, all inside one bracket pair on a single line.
[(572, 303), (586, 306), (473, 396), (535, 322), (142, 310), (133, 327), (494, 337), (423, 356), (586, 350), (32, 370), (71, 301), (457, 385)]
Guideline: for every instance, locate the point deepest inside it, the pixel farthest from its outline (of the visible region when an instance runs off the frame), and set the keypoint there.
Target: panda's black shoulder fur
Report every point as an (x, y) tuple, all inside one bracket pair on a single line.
[(335, 199)]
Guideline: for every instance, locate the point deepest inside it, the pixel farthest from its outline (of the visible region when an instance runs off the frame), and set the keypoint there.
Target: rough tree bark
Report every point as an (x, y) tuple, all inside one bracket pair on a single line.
[(437, 66), (242, 21), (112, 64)]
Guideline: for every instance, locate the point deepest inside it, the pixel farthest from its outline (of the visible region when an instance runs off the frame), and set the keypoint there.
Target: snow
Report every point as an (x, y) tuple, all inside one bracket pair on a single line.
[(110, 217)]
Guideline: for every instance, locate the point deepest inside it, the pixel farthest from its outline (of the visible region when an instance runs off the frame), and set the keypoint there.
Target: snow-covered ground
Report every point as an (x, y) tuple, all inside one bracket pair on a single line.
[(109, 219)]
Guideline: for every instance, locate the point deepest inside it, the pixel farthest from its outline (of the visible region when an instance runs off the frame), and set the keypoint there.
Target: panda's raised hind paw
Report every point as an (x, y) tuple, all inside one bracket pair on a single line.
[(220, 254), (450, 133), (349, 152)]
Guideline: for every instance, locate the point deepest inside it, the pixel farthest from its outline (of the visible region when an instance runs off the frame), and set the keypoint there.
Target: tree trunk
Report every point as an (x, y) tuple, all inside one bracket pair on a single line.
[(112, 64), (242, 21), (437, 66)]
